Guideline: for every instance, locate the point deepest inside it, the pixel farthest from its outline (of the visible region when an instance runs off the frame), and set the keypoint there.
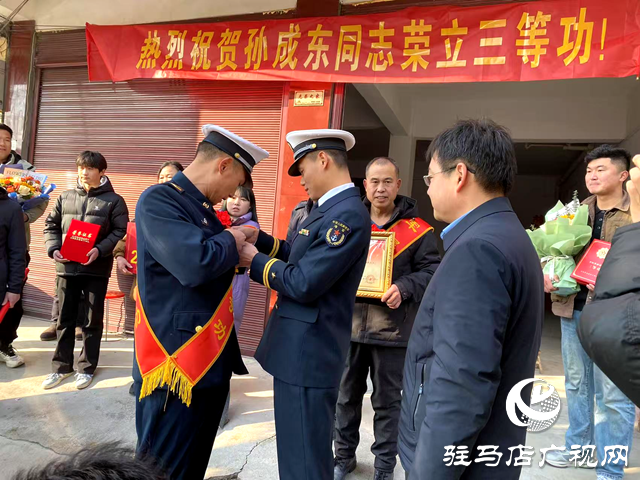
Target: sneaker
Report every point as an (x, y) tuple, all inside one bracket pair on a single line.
[(9, 356), (79, 334), (558, 459), (83, 380), (54, 379), (50, 333)]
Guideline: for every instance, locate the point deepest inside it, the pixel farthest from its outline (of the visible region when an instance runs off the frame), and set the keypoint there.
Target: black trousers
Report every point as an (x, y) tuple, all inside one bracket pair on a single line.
[(385, 364), (55, 309), (69, 294), (180, 439), (11, 322), (304, 422)]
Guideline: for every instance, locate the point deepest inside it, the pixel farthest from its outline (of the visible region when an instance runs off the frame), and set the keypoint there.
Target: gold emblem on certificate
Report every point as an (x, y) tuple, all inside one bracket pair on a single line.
[(376, 278)]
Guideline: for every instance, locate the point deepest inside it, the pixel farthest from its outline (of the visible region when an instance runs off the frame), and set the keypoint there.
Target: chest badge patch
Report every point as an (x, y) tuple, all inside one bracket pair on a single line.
[(337, 233), (304, 232)]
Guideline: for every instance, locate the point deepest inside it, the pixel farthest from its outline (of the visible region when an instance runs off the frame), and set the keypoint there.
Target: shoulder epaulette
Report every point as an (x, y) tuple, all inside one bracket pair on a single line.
[(176, 186)]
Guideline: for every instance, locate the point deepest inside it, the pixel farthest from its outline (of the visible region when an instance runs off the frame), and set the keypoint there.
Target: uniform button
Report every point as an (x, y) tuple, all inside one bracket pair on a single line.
[(198, 328), (277, 306)]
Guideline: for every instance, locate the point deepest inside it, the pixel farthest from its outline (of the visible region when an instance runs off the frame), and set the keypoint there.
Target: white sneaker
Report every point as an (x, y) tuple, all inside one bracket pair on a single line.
[(54, 379), (9, 356), (83, 380), (557, 459)]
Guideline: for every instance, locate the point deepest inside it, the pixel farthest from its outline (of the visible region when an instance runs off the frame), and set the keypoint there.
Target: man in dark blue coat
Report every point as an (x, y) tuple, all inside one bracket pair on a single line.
[(306, 340), (477, 332), (186, 346)]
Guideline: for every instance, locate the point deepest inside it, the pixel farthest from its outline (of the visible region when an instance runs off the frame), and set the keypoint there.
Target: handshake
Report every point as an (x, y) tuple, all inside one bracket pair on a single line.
[(245, 242)]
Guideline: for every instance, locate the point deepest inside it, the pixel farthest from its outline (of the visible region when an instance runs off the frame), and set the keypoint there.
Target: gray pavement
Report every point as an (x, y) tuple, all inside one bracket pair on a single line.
[(37, 425)]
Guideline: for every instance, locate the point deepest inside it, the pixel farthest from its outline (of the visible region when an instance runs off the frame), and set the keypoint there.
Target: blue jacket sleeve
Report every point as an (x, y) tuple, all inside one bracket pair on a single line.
[(273, 247), (179, 245), (472, 311), (319, 268)]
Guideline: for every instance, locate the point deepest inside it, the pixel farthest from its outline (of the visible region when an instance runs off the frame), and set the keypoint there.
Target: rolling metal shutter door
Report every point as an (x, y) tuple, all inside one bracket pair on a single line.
[(137, 126)]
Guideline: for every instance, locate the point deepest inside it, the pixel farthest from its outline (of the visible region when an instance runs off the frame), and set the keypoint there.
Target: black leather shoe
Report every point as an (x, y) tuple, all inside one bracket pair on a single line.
[(380, 475), (343, 468)]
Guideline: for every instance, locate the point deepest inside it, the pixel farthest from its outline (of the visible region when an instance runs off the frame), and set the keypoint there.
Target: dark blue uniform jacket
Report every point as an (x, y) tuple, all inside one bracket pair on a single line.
[(186, 263), (317, 276)]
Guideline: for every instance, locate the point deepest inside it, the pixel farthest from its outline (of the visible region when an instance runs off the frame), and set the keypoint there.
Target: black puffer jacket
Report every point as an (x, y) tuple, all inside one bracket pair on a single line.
[(373, 321), (100, 206), (609, 327), (13, 246)]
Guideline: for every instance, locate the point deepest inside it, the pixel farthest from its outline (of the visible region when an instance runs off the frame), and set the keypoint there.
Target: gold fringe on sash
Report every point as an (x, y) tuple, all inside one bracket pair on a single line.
[(169, 374)]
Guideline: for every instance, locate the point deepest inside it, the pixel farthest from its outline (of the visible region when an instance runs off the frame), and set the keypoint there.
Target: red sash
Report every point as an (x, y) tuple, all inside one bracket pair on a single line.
[(184, 369), (407, 231)]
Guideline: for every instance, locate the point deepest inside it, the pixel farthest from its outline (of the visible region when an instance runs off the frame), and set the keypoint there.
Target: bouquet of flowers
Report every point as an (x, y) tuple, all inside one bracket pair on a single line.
[(25, 187), (564, 234)]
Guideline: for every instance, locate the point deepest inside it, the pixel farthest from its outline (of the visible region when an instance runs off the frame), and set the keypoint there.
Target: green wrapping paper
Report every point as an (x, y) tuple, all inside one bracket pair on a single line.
[(564, 235)]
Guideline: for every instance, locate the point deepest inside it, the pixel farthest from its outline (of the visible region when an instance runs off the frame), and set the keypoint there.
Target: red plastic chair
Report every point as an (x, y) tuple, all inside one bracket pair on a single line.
[(111, 295)]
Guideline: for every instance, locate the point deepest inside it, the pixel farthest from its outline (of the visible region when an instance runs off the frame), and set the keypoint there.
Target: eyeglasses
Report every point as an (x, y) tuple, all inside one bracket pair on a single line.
[(427, 178)]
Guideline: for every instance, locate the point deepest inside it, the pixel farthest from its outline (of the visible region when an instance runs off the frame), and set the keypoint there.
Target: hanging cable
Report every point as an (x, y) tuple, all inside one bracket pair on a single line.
[(12, 16)]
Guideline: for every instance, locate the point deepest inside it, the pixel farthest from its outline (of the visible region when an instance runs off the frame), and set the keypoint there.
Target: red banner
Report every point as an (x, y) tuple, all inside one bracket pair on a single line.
[(517, 42)]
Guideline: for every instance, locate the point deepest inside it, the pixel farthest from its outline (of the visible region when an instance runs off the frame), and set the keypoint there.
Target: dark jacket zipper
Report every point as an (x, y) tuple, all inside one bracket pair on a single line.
[(420, 391), (84, 214)]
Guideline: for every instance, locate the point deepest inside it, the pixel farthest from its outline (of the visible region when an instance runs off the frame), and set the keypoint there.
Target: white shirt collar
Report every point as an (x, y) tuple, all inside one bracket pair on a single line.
[(333, 192)]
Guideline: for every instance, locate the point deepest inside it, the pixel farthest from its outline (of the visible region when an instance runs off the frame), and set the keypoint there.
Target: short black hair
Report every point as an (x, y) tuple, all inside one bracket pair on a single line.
[(339, 157), (6, 128), (247, 193), (484, 146), (91, 159), (171, 163), (618, 156), (209, 151), (382, 160), (108, 461)]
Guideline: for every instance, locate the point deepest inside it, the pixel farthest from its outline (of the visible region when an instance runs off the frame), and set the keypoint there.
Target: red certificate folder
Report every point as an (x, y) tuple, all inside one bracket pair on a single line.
[(3, 311), (5, 308), (131, 249), (81, 237), (589, 266)]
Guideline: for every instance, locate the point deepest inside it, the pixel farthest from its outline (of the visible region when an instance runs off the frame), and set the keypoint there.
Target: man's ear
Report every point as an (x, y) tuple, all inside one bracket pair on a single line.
[(324, 159), (224, 164), (624, 176), (462, 173)]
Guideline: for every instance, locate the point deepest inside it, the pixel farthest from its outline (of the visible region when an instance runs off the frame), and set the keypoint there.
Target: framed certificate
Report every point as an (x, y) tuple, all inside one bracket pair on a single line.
[(376, 278)]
